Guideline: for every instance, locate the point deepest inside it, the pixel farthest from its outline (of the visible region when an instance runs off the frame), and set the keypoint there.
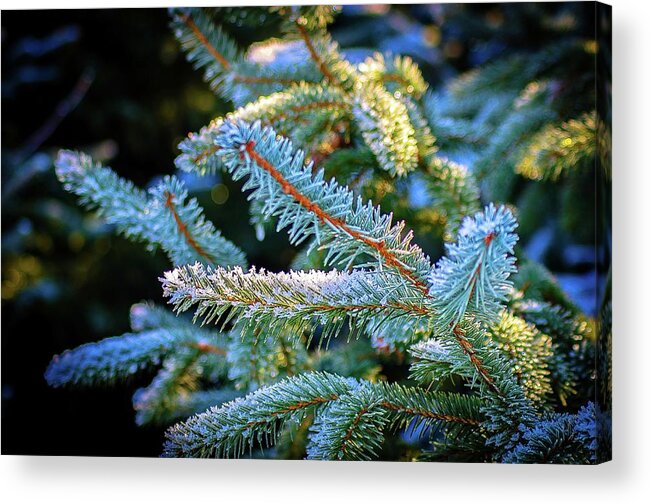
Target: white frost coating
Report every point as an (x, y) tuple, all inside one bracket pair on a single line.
[(474, 274), (275, 301)]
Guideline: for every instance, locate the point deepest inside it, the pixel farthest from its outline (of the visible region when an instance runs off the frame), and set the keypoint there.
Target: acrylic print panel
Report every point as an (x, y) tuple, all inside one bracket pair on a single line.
[(387, 236)]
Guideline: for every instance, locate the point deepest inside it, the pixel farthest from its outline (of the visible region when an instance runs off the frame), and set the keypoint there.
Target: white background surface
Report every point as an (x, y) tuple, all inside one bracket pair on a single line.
[(626, 479)]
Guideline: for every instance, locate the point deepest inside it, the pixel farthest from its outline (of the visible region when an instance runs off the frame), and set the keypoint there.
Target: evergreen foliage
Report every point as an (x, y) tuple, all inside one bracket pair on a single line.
[(473, 275), (109, 360), (557, 149), (498, 357), (290, 302), (162, 218)]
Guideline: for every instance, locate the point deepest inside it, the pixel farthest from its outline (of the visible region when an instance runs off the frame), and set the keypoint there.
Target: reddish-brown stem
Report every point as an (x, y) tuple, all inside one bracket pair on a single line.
[(204, 154), (392, 77), (379, 246), (297, 109), (207, 348), (430, 414), (469, 350), (294, 407), (314, 55), (475, 274), (385, 404), (183, 229), (409, 411), (349, 308), (249, 79), (204, 40), (408, 307), (351, 429), (460, 336)]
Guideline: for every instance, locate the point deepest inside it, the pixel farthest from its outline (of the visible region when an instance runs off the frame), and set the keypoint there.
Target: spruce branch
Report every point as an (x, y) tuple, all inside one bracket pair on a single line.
[(230, 429), (473, 276), (110, 360), (398, 74), (454, 190), (177, 378), (282, 110), (384, 123), (159, 335), (346, 410), (119, 357), (305, 112), (558, 149), (412, 407), (350, 428), (425, 140), (251, 358), (516, 352), (226, 69), (164, 217), (473, 280), (433, 362), (308, 205), (572, 354), (207, 45), (561, 438), (529, 353), (504, 404), (198, 151), (278, 302)]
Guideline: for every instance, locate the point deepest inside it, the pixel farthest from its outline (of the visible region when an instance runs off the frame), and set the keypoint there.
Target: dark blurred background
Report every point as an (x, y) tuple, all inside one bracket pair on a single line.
[(115, 84)]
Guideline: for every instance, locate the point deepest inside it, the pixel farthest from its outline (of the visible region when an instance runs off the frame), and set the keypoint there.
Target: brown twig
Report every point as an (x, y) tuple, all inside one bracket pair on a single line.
[(207, 348), (183, 229), (470, 351), (246, 79), (430, 414), (351, 429), (204, 154), (407, 307), (315, 56), (294, 407), (204, 40)]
